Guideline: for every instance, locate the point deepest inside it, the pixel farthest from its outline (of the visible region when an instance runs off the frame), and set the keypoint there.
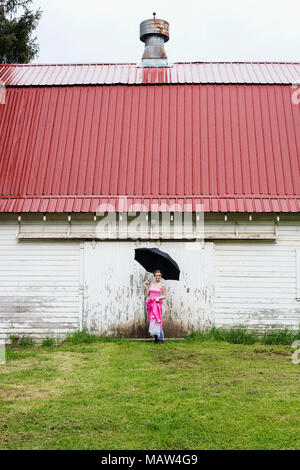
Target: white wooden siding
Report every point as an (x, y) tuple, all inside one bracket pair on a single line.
[(38, 284), (255, 283), (51, 287), (146, 226)]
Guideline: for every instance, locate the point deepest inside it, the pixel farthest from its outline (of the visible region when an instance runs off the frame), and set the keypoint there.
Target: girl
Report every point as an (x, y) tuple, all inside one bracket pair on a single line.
[(156, 291)]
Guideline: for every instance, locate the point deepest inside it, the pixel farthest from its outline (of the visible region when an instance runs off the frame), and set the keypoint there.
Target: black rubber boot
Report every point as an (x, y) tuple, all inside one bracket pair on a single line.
[(156, 339)]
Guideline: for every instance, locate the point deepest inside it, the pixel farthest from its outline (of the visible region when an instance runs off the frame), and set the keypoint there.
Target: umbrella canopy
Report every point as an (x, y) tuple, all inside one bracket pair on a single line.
[(153, 258)]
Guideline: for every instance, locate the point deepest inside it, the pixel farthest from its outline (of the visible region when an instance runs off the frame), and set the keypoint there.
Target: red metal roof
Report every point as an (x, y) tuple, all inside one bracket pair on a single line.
[(230, 147), (155, 204), (194, 72)]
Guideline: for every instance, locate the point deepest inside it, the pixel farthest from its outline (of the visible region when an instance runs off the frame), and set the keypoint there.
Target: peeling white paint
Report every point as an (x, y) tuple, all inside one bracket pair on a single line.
[(53, 287), (114, 294)]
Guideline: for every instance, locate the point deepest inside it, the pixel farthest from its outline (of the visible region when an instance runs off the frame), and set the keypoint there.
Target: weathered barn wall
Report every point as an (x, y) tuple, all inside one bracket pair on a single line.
[(38, 284), (256, 282), (114, 291), (51, 287)]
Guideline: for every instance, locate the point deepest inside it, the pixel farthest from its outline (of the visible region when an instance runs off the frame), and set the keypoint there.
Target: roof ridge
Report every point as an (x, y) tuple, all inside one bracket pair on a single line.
[(287, 73), (134, 63)]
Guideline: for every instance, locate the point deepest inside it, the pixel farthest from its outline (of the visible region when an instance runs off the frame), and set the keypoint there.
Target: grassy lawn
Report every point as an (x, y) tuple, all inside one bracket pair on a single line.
[(122, 394)]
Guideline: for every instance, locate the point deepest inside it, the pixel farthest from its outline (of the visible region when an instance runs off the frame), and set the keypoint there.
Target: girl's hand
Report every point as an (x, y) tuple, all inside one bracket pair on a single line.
[(147, 283), (157, 299)]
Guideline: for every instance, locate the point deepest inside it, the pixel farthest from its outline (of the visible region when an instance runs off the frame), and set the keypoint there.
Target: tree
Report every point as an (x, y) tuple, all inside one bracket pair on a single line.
[(16, 42)]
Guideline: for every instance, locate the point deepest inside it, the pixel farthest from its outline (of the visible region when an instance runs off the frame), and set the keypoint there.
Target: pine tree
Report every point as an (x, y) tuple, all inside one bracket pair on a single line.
[(17, 22)]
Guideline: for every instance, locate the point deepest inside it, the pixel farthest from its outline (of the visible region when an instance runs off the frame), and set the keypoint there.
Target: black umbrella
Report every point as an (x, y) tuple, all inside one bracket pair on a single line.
[(152, 258)]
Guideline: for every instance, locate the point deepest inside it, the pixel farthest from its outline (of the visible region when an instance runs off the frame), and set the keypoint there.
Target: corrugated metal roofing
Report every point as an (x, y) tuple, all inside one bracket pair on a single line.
[(155, 204), (233, 147), (100, 74)]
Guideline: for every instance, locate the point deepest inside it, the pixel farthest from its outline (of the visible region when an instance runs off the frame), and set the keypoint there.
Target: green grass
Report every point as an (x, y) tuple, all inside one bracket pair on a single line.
[(283, 336), (81, 337), (24, 341), (196, 393), (241, 335), (234, 335)]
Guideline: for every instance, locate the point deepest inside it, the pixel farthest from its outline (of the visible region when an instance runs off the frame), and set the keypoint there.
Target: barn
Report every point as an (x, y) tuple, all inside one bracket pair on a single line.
[(198, 159)]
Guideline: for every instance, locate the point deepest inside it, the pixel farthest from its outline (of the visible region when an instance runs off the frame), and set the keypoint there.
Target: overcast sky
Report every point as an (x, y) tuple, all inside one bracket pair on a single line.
[(218, 30)]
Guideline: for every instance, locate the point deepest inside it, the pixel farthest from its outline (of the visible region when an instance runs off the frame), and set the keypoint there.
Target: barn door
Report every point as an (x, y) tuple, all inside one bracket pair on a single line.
[(190, 302), (113, 289), (114, 293)]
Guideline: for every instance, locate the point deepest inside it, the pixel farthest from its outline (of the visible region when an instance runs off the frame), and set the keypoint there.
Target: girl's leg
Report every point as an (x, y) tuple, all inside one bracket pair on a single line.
[(161, 336)]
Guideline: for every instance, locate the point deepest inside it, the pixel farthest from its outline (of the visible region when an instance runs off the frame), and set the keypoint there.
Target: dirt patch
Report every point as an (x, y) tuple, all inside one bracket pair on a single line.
[(29, 393), (129, 330), (172, 329)]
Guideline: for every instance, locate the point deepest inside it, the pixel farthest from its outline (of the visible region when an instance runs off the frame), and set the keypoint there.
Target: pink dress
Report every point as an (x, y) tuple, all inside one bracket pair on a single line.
[(154, 311)]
